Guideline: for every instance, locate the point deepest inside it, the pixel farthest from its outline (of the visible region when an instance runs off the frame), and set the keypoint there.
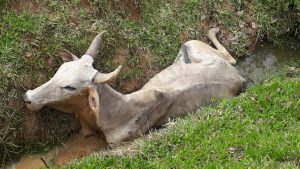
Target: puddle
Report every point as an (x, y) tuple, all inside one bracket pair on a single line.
[(76, 147), (268, 60)]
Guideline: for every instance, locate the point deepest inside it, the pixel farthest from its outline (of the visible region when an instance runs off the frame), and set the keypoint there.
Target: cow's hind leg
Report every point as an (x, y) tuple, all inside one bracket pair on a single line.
[(225, 54), (195, 51), (188, 53), (182, 56)]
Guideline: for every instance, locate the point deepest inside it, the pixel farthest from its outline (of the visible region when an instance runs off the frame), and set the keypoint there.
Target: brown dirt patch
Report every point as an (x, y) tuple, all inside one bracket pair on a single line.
[(130, 85), (148, 70), (21, 5), (184, 37), (252, 28), (30, 127), (120, 57), (146, 65), (129, 8), (85, 3), (73, 19)]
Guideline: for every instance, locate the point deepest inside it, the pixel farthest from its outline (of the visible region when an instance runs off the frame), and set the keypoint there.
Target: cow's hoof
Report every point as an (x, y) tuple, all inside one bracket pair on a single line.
[(213, 31), (112, 145), (88, 132)]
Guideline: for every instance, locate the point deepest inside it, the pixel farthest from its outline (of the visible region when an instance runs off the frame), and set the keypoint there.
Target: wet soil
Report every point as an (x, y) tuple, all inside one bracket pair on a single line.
[(76, 148)]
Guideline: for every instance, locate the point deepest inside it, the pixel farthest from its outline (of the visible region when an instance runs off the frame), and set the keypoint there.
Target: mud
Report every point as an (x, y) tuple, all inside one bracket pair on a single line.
[(76, 148), (267, 61)]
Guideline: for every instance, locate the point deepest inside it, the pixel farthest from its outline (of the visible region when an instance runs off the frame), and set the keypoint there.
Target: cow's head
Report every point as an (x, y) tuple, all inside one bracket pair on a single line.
[(73, 77)]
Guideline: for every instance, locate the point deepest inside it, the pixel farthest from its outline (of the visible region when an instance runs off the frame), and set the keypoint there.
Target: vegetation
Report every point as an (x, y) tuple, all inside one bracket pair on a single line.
[(258, 129), (145, 41)]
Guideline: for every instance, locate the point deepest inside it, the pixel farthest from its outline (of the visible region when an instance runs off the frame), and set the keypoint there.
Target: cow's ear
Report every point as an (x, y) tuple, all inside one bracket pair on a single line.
[(67, 56), (94, 100)]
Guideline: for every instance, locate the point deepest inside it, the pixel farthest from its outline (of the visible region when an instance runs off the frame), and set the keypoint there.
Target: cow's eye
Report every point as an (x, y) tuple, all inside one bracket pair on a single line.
[(69, 88)]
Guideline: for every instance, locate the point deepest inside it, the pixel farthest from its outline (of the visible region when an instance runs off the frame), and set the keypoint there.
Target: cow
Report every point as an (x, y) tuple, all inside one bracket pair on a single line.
[(198, 75)]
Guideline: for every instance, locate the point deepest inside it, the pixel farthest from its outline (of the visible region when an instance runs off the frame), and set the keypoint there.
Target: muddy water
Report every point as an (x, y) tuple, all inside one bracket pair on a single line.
[(268, 60), (265, 63), (76, 147)]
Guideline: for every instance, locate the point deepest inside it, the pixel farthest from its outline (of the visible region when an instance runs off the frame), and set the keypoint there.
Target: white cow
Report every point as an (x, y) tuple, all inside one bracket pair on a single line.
[(199, 74)]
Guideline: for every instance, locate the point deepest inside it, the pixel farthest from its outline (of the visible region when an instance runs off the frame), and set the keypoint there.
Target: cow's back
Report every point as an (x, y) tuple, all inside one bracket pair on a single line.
[(191, 85)]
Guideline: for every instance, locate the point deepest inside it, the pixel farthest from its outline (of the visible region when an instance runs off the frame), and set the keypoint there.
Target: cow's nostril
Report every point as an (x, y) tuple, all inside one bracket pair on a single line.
[(26, 100)]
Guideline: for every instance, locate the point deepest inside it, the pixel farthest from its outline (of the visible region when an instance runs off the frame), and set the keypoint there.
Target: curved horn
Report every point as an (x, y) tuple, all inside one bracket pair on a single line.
[(106, 77), (95, 45)]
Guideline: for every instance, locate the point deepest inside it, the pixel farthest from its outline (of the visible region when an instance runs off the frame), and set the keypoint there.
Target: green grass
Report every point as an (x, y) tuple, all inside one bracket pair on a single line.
[(30, 41), (271, 22), (258, 129)]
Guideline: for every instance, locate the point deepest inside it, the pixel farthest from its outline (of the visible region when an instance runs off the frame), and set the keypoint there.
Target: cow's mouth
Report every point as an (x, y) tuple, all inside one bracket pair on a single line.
[(33, 107), (27, 102)]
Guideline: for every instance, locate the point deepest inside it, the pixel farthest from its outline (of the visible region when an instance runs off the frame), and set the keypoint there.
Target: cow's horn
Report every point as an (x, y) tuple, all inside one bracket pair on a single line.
[(95, 45), (106, 77)]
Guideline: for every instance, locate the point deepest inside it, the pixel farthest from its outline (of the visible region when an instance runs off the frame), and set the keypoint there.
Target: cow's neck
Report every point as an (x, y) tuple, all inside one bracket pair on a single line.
[(111, 103), (124, 116)]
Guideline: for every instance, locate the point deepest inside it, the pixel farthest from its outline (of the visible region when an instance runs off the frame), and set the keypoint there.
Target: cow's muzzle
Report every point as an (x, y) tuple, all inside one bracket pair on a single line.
[(26, 99), (30, 104)]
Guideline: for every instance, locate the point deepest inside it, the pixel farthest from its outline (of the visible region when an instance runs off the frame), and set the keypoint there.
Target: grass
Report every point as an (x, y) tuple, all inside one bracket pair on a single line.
[(31, 38), (258, 129), (271, 23)]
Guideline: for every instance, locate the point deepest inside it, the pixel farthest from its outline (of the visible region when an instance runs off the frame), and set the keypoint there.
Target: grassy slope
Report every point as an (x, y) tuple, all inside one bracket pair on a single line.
[(30, 41), (259, 129)]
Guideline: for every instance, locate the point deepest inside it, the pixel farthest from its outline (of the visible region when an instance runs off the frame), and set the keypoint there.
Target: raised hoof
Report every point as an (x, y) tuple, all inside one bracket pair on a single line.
[(87, 132), (232, 62), (213, 31), (112, 145)]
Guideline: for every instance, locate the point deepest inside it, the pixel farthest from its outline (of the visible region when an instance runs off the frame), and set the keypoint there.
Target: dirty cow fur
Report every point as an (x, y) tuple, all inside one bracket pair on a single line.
[(199, 74)]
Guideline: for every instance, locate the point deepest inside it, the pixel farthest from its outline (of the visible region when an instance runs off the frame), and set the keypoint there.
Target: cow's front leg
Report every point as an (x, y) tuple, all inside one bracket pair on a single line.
[(121, 135), (86, 130)]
